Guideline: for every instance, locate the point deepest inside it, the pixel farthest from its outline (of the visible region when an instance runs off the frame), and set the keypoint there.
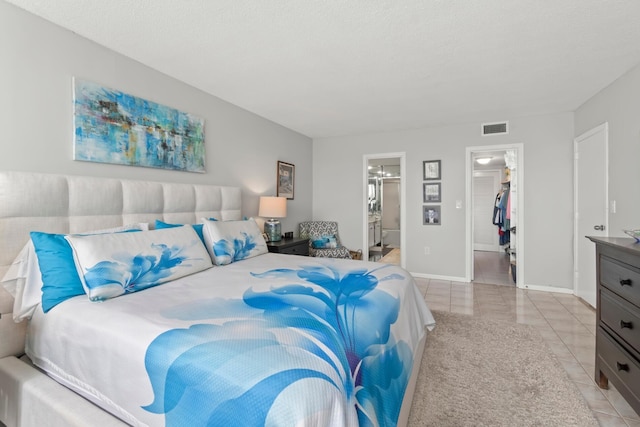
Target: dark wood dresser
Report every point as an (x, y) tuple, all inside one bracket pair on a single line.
[(618, 316)]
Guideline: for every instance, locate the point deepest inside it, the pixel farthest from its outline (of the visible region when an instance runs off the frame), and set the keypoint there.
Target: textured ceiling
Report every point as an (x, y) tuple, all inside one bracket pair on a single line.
[(338, 67)]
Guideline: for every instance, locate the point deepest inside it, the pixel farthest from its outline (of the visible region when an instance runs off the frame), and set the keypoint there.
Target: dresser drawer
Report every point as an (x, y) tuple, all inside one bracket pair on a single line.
[(618, 364), (297, 250), (622, 317), (295, 246), (622, 279)]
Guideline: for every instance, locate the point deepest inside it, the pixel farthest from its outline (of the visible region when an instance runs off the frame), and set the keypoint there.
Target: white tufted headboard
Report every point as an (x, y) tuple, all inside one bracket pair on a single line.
[(72, 204)]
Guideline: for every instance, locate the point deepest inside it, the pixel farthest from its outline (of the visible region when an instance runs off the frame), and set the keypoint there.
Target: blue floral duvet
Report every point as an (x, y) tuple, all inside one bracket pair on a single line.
[(274, 340)]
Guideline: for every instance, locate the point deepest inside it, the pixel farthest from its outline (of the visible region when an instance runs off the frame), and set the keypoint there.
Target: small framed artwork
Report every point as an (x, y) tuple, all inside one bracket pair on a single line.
[(286, 180), (431, 192), (431, 169), (431, 215)]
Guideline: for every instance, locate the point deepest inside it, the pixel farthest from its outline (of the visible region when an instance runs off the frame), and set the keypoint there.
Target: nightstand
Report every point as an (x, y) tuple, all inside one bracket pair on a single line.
[(295, 246)]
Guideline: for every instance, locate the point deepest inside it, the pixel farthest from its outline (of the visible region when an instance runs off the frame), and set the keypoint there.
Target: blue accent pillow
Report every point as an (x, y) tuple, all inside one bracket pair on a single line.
[(324, 242), (60, 280), (197, 227)]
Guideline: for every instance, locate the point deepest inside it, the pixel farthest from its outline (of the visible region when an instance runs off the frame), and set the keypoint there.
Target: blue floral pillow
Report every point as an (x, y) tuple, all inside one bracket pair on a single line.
[(110, 265), (58, 279), (324, 242), (230, 241)]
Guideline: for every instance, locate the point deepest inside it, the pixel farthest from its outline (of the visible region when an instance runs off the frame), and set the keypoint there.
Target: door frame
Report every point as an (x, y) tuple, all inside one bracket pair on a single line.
[(403, 200), (520, 235), (604, 127)]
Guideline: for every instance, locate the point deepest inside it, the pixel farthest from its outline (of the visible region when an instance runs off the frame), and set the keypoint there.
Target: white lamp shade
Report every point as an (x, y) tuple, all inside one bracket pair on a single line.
[(272, 207)]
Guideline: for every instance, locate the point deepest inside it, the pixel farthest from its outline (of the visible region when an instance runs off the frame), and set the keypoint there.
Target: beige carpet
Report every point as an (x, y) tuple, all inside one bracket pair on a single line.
[(478, 372)]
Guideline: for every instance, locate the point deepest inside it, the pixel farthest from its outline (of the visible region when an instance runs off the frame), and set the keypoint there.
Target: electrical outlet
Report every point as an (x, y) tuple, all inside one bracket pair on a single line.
[(427, 250)]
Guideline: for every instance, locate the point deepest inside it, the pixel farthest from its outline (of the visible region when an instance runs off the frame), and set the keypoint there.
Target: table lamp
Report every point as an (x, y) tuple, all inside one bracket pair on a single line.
[(272, 208)]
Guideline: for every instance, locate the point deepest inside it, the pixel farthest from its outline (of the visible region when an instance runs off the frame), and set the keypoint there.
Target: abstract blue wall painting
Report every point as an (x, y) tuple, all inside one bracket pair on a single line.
[(118, 128)]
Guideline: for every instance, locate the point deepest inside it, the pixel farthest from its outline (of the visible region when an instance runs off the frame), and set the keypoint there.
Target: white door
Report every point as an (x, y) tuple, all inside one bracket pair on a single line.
[(486, 185), (590, 201)]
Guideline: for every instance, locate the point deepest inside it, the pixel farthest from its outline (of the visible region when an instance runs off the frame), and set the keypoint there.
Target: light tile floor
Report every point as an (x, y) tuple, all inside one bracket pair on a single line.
[(492, 267), (567, 324)]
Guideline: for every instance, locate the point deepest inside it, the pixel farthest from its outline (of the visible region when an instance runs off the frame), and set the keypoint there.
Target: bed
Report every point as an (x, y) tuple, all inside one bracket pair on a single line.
[(238, 336)]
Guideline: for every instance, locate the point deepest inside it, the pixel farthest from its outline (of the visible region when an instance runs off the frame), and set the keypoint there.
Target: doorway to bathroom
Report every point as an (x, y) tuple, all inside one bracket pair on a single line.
[(384, 210)]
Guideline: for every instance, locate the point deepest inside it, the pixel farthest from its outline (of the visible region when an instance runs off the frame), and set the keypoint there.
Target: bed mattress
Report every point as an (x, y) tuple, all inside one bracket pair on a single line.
[(271, 340)]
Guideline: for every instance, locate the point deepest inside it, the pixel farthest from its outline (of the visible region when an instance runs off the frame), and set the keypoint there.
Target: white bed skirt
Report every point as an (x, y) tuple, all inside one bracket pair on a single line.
[(29, 398)]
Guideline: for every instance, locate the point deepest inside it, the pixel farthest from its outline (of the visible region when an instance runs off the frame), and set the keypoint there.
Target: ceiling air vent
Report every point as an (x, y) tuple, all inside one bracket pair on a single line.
[(501, 128)]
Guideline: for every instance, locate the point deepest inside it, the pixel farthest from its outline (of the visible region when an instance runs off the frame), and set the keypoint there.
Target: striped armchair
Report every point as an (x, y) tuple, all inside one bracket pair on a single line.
[(313, 230)]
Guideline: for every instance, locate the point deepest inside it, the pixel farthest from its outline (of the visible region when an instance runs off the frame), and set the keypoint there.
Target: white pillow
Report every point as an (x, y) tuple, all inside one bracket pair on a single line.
[(24, 281), (229, 241), (110, 265)]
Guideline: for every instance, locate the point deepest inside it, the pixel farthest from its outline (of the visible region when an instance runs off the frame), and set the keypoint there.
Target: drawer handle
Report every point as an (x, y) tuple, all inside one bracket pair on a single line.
[(624, 324), (622, 366), (625, 282)]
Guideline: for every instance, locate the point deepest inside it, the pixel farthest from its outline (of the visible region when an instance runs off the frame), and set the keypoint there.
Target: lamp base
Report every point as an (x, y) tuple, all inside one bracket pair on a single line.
[(273, 230)]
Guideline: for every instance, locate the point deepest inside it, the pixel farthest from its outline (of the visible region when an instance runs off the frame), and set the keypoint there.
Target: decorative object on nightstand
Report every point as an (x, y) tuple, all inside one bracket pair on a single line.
[(633, 233), (272, 208), (293, 246)]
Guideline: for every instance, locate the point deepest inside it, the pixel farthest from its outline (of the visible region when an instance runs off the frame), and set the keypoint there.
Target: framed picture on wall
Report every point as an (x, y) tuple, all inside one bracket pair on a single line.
[(286, 180), (108, 121), (431, 215), (431, 169), (431, 192)]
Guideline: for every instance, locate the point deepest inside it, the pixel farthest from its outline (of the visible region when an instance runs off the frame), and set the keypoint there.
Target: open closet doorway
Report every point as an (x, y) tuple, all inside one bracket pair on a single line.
[(494, 195), (384, 211)]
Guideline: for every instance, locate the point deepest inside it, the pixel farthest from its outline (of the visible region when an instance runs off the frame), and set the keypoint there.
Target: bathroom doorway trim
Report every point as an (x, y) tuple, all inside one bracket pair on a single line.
[(401, 156)]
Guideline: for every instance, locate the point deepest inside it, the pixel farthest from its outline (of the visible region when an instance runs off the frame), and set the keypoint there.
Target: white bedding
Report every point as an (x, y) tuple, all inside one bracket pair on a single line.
[(282, 339)]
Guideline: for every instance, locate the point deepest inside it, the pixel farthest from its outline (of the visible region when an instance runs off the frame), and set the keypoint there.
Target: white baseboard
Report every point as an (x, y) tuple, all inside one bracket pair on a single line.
[(463, 280), (438, 277), (549, 289), (487, 248)]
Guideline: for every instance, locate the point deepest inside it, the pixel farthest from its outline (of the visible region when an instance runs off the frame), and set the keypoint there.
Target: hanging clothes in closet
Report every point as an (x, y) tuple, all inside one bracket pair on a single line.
[(502, 214)]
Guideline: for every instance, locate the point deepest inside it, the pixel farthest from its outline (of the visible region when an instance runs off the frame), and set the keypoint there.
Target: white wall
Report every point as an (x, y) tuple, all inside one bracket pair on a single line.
[(37, 65), (619, 105), (548, 189), (391, 204), (486, 185)]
